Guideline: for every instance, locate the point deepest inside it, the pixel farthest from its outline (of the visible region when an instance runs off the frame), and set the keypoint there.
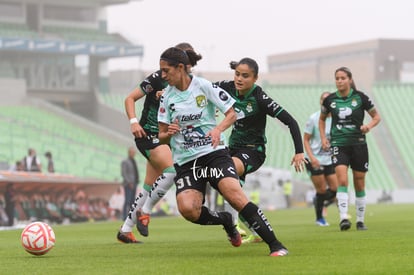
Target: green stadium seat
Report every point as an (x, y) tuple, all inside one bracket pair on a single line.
[(75, 150)]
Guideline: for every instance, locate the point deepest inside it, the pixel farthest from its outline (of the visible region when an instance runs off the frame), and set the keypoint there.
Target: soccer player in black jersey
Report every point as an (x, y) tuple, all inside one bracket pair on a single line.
[(348, 142), (247, 142)]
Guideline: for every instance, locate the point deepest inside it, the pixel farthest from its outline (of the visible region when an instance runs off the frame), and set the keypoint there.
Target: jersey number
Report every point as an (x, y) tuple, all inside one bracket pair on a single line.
[(182, 182)]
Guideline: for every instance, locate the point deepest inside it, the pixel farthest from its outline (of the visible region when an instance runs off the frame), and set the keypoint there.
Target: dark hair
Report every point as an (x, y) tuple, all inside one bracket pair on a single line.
[(184, 46), (174, 56), (48, 154), (348, 72), (251, 63)]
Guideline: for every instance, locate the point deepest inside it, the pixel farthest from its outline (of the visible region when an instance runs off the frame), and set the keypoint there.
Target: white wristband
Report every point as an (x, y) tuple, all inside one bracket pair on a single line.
[(133, 120)]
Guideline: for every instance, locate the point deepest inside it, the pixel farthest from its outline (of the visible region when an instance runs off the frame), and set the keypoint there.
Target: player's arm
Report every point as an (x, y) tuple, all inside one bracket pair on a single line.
[(130, 100), (372, 111), (230, 117), (166, 131)]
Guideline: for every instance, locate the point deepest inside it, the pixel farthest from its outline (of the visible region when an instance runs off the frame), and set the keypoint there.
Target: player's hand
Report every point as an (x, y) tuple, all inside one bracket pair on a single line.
[(298, 161), (173, 128), (315, 163), (215, 135), (364, 129), (137, 131), (325, 144)]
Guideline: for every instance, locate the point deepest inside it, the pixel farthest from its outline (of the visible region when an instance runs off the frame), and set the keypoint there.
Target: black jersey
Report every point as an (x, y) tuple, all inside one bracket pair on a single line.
[(347, 116), (150, 86), (251, 109)]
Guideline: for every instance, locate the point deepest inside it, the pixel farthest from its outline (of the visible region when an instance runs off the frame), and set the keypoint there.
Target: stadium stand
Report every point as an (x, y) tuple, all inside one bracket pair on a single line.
[(76, 151), (16, 30), (81, 34), (395, 102)]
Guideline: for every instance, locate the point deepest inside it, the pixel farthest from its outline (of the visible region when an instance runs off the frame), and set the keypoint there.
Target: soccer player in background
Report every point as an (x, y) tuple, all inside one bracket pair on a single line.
[(319, 162), (348, 144)]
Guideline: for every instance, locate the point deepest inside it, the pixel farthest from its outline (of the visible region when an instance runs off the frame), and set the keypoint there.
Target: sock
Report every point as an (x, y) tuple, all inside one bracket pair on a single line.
[(254, 233), (330, 195), (342, 197), (232, 211), (159, 189), (360, 205), (209, 217), (320, 198), (145, 193), (131, 218), (257, 220)]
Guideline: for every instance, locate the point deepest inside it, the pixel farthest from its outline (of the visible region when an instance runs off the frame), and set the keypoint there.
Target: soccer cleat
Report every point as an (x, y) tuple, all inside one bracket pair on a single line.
[(344, 225), (361, 226), (279, 252), (126, 237), (232, 234), (322, 222), (241, 231), (252, 239), (142, 223)]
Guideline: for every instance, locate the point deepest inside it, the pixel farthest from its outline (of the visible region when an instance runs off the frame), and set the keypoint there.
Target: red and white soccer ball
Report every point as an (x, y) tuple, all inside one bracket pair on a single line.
[(38, 238)]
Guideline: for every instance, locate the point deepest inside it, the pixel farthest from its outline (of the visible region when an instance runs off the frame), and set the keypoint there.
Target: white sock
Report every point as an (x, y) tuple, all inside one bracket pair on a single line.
[(159, 189), (131, 218), (342, 198), (360, 205)]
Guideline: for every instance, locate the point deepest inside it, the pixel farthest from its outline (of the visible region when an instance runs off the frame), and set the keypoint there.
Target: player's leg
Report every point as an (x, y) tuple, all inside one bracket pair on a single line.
[(158, 191)]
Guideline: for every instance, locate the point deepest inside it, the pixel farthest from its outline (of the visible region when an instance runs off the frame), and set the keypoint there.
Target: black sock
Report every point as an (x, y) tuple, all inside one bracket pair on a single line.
[(320, 198), (257, 220), (208, 217), (330, 195)]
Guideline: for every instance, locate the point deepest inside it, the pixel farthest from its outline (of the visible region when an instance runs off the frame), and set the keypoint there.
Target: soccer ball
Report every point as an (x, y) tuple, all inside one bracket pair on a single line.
[(38, 238)]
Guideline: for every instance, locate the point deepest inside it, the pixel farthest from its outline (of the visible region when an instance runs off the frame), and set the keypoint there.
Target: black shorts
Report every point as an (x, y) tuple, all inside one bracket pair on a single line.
[(251, 159), (322, 170), (354, 155), (148, 143), (209, 168)]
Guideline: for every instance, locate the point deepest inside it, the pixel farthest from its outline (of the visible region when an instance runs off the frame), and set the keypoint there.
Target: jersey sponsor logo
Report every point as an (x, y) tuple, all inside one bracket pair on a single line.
[(200, 172), (191, 117), (201, 101), (245, 156), (171, 107), (344, 112), (333, 105), (223, 96), (194, 137)]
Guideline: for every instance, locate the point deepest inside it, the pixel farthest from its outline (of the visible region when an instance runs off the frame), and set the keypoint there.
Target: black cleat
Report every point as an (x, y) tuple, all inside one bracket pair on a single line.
[(361, 226), (142, 223), (345, 225)]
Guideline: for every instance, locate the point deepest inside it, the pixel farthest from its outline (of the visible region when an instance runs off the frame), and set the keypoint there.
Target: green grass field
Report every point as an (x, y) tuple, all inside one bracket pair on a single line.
[(176, 246)]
